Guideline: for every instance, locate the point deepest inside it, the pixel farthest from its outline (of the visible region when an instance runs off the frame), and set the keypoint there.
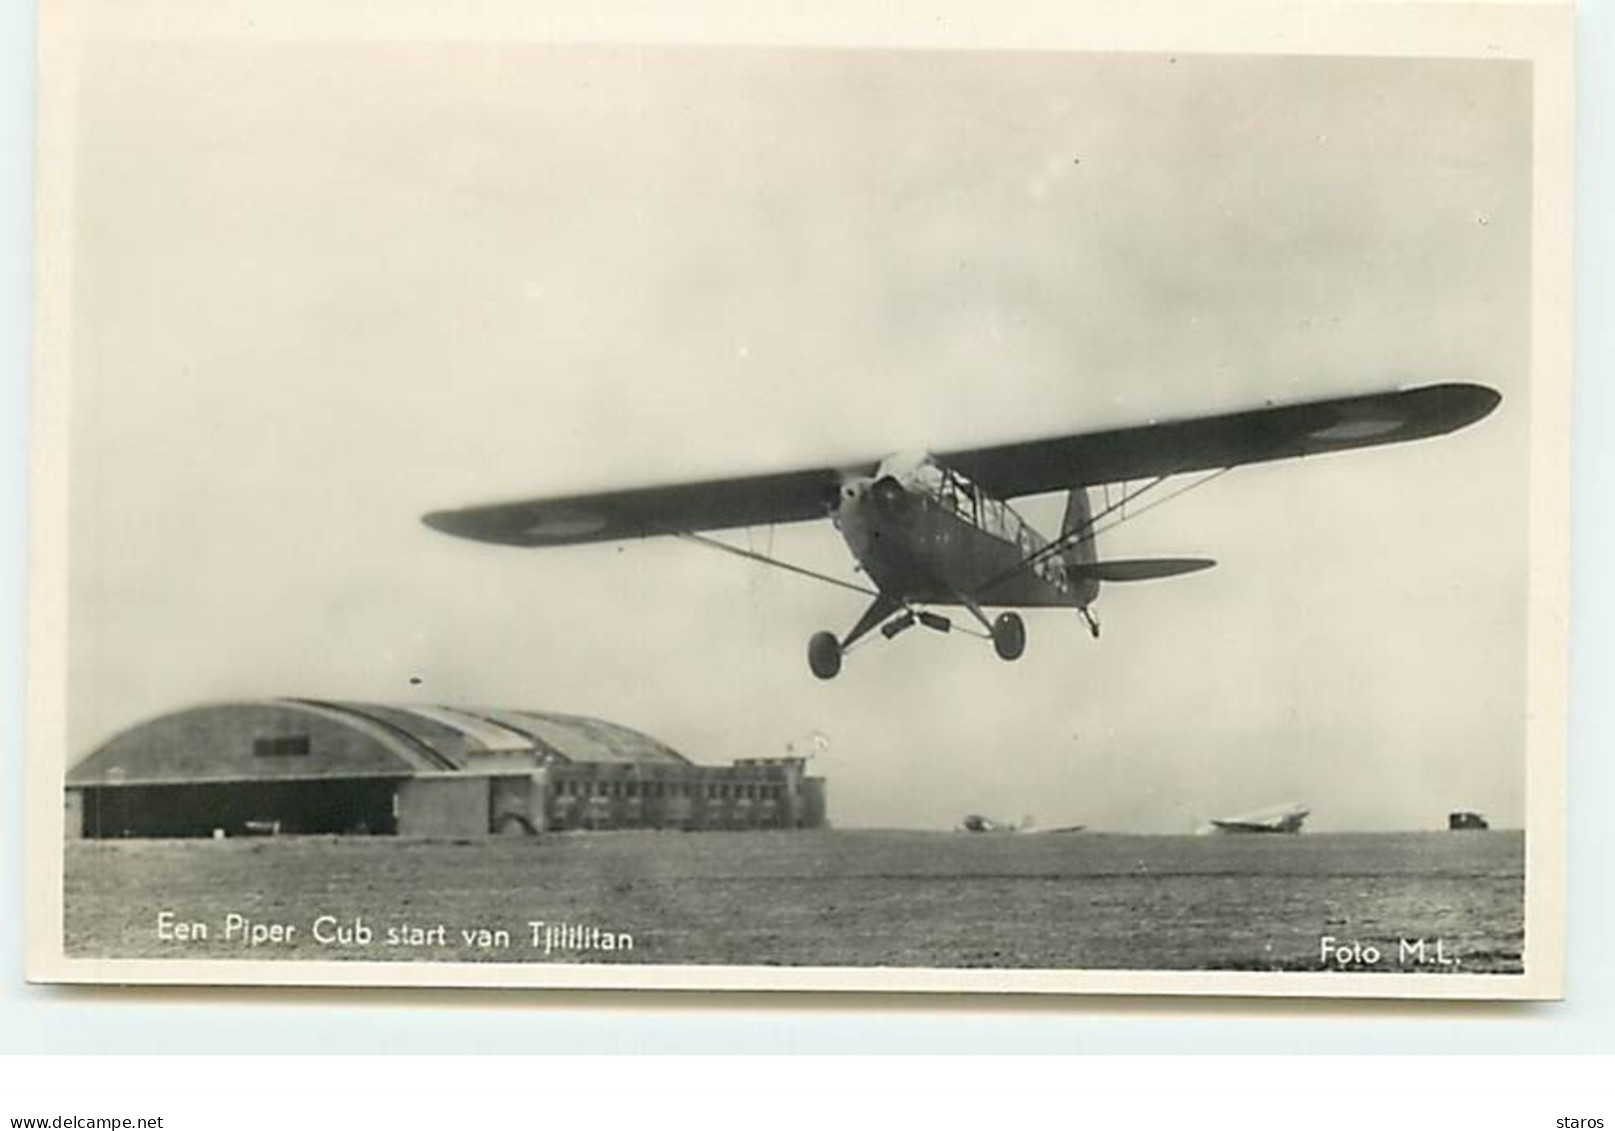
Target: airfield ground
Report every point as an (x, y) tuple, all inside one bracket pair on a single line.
[(829, 898)]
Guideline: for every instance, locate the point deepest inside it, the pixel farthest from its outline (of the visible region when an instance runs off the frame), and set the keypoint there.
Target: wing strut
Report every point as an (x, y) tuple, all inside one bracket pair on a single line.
[(1067, 537), (1077, 533), (1184, 490), (752, 555)]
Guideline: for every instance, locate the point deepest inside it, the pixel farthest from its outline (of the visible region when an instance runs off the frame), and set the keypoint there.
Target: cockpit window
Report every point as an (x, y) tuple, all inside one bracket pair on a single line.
[(958, 494), (998, 519)]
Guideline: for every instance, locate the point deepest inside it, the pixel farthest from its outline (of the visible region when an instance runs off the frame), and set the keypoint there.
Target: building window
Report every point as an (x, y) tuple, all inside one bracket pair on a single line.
[(281, 746)]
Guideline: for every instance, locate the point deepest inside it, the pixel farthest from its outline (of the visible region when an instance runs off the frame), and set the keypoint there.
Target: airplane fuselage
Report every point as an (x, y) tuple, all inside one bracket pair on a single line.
[(925, 535)]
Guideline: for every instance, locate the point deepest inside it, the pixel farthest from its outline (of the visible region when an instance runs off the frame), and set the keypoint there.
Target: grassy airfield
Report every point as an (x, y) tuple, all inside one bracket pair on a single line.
[(828, 898)]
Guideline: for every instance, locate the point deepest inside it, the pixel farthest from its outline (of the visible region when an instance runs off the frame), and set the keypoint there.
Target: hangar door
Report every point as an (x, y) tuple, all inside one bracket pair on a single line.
[(241, 808)]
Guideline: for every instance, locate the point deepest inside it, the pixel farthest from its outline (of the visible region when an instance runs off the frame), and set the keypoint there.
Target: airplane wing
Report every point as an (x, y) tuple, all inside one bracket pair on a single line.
[(675, 508), (1005, 470), (1226, 440)]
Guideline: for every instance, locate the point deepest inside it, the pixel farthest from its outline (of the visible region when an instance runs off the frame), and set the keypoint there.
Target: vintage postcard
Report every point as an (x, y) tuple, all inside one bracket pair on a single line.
[(1044, 504)]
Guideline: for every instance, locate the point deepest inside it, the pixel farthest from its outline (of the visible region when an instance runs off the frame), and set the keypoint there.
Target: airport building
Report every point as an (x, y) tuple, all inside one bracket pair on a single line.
[(301, 766)]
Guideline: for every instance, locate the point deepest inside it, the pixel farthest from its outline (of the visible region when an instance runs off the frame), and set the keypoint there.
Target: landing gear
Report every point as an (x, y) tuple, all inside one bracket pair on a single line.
[(825, 650), (1009, 636), (824, 655)]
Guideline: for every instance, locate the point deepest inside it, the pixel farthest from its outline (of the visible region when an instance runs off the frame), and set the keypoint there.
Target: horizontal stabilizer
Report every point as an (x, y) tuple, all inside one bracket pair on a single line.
[(1138, 569)]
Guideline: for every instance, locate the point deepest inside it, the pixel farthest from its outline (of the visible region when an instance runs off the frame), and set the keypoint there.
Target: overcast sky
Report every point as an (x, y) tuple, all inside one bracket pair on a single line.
[(320, 290)]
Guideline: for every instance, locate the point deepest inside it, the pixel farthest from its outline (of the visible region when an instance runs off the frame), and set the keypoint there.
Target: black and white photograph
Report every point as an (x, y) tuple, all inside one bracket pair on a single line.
[(626, 513)]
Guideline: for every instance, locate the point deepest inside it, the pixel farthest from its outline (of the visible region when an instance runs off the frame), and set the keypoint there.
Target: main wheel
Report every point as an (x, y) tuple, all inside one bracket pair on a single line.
[(1009, 636), (824, 655)]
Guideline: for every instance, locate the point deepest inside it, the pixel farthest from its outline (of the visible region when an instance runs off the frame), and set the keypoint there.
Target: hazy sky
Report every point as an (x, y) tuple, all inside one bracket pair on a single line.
[(320, 290)]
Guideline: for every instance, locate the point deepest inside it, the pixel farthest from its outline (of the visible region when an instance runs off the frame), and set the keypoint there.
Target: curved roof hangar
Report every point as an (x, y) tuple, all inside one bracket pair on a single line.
[(307, 738)]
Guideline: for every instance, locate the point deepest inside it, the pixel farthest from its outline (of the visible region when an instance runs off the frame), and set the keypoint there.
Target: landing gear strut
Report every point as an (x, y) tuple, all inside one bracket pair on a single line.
[(824, 650), (1009, 636)]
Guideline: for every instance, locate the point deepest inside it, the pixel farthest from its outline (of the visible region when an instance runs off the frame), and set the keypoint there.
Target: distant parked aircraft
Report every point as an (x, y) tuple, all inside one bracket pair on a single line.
[(1278, 819), (976, 823)]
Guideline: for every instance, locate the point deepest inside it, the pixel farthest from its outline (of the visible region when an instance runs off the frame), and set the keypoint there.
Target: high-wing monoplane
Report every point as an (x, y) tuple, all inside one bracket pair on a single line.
[(937, 530)]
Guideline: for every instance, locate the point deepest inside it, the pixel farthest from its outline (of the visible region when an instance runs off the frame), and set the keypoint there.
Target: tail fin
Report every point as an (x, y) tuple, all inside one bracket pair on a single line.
[(1080, 552)]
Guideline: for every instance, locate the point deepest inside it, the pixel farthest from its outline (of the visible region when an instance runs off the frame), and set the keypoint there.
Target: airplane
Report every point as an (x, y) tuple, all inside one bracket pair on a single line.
[(977, 823), (1278, 819), (937, 530)]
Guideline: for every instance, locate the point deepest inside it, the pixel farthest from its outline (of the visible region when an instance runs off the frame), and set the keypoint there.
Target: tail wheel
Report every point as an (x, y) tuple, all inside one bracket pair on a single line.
[(824, 655), (1009, 636)]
